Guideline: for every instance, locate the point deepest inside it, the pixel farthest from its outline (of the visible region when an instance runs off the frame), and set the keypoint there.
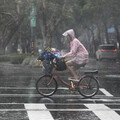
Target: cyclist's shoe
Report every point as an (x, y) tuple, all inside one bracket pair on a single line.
[(73, 86)]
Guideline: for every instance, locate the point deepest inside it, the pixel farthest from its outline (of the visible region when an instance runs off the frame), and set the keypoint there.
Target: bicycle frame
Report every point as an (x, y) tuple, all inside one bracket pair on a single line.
[(80, 87), (55, 73)]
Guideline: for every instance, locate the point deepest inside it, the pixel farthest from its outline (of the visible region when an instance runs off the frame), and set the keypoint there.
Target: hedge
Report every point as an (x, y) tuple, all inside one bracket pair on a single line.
[(13, 58)]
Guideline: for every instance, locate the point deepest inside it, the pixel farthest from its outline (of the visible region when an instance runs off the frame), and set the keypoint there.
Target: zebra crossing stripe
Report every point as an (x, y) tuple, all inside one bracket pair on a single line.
[(38, 115), (103, 112), (105, 92)]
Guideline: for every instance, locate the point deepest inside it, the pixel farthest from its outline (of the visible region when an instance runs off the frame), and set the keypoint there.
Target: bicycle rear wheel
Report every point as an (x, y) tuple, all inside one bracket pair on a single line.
[(88, 86), (46, 86)]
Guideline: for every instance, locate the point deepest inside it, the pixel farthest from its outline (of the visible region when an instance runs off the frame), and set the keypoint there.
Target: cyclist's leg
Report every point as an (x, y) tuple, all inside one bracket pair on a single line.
[(71, 68)]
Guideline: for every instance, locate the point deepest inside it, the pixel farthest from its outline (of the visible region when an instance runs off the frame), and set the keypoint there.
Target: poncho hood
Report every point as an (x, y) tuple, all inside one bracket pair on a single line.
[(69, 32)]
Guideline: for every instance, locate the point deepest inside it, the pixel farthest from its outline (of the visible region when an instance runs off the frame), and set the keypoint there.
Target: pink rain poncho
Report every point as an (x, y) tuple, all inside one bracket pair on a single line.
[(78, 52)]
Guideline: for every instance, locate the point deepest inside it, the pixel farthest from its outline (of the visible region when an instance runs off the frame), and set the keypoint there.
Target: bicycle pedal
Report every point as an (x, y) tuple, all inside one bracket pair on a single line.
[(72, 89)]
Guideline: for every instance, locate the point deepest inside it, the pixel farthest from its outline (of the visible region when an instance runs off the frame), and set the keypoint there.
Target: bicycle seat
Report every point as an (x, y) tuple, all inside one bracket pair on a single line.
[(91, 72)]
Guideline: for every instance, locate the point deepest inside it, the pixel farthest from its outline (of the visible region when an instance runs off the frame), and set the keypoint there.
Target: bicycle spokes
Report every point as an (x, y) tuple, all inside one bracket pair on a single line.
[(46, 85), (88, 86)]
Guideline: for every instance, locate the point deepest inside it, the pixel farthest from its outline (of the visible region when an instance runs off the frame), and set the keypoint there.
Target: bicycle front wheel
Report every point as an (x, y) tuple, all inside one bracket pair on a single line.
[(88, 86), (46, 86)]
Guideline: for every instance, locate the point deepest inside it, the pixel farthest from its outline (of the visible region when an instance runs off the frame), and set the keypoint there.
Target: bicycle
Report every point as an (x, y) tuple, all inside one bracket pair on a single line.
[(87, 85)]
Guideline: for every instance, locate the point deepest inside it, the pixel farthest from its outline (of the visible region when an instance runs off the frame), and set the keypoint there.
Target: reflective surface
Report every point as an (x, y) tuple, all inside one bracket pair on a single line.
[(17, 90)]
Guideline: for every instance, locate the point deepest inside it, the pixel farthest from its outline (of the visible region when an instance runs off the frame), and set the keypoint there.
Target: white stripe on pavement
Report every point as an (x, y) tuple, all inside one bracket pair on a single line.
[(105, 92), (38, 115), (27, 88), (113, 76), (54, 110), (103, 112), (60, 104)]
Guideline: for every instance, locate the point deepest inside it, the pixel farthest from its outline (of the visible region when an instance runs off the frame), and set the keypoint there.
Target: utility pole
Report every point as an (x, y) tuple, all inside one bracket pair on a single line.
[(33, 25)]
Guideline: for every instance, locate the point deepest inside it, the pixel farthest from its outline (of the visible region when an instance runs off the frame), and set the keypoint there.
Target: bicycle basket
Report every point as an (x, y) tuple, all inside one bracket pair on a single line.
[(47, 66), (60, 65)]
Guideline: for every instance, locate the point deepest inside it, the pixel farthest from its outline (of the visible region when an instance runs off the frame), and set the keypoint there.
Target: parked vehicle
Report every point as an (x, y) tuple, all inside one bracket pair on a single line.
[(106, 51)]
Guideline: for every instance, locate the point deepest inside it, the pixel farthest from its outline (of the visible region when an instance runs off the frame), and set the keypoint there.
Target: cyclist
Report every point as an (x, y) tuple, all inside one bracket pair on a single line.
[(78, 54)]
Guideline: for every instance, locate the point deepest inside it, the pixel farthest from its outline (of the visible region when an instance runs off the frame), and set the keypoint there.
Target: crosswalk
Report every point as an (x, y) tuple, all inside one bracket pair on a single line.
[(38, 112), (31, 106), (103, 112), (41, 112), (19, 99)]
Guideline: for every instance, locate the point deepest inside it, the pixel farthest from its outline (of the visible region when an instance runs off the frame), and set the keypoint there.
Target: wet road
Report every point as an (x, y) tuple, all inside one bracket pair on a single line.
[(19, 99)]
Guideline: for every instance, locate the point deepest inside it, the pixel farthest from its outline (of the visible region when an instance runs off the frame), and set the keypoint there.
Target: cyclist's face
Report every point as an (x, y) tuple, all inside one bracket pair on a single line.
[(68, 38)]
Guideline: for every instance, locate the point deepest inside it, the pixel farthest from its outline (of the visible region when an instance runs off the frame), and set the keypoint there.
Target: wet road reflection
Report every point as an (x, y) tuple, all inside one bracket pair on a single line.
[(17, 88)]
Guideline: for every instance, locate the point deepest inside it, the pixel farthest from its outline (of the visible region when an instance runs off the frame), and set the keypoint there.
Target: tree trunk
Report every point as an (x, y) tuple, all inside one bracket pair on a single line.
[(94, 44), (7, 36), (106, 33), (2, 50), (117, 33), (98, 35), (93, 41), (47, 40), (118, 39), (48, 27)]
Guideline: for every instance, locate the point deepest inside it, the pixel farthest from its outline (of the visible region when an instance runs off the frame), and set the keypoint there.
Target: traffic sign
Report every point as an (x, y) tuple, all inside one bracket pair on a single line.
[(33, 16)]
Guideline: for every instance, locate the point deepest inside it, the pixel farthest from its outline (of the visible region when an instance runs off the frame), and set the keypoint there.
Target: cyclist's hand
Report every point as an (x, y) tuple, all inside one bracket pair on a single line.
[(54, 60), (61, 57)]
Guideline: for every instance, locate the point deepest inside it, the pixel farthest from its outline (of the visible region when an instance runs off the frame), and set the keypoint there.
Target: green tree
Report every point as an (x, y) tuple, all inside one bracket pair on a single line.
[(9, 23), (50, 14), (115, 17)]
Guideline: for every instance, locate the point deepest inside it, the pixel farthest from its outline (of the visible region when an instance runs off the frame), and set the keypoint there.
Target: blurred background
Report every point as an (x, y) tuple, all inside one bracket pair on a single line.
[(29, 26)]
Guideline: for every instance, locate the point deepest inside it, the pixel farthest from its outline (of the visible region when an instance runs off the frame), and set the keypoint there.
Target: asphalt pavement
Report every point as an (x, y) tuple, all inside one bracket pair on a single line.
[(19, 99)]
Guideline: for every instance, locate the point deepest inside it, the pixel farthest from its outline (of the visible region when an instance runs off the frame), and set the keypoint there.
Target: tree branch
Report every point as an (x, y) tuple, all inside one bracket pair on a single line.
[(56, 21), (9, 14), (13, 31)]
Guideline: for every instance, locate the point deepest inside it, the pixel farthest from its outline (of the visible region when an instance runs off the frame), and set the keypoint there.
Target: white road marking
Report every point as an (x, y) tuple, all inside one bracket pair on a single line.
[(105, 92), (103, 112), (57, 96), (38, 115), (59, 88), (44, 111), (60, 104), (113, 76), (27, 88), (47, 111), (94, 100)]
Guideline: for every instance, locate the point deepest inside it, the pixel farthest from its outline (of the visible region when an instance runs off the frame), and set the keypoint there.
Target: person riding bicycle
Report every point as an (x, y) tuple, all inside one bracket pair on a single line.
[(78, 53)]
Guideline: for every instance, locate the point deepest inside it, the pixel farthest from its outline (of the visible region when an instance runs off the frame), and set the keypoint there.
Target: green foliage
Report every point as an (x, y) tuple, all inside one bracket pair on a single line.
[(31, 61), (4, 58), (17, 59), (13, 58), (79, 14)]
